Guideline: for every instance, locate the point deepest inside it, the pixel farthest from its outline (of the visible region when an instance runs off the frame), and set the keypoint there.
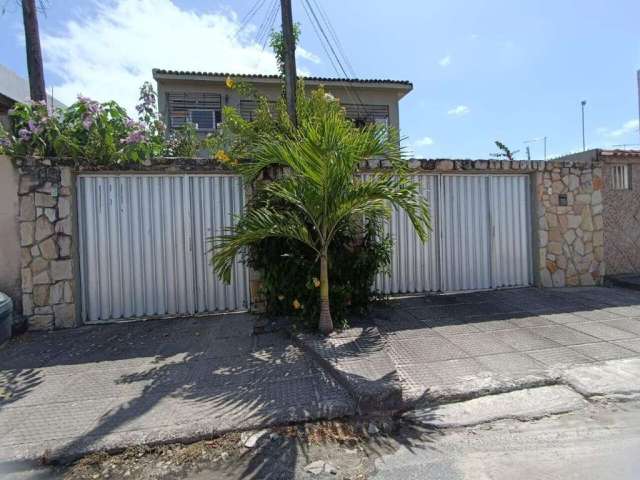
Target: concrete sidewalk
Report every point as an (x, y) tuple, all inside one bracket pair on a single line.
[(67, 393), (454, 347)]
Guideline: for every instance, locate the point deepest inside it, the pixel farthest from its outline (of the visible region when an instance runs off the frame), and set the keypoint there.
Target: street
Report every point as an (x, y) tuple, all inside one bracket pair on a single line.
[(601, 441)]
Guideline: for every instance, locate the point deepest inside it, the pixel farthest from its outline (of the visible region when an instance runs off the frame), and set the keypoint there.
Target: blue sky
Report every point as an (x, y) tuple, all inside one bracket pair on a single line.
[(482, 70)]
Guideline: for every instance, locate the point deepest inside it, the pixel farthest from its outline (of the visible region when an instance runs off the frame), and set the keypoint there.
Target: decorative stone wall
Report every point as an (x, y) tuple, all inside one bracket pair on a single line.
[(47, 245), (622, 220), (570, 224)]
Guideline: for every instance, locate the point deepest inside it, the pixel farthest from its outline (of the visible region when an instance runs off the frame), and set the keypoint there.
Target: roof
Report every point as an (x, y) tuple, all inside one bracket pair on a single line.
[(16, 89), (620, 153), (159, 72), (602, 154)]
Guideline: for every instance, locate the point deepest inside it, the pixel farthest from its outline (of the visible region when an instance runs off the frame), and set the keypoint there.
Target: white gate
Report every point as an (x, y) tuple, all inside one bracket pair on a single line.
[(480, 239), (143, 248)]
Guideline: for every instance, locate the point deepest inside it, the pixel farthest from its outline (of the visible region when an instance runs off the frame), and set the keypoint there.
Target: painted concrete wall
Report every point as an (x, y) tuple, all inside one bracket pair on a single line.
[(9, 232), (622, 221), (353, 95)]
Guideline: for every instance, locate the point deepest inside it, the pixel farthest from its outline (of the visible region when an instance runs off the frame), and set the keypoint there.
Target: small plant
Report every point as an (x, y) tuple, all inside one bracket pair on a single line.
[(183, 141), (505, 152)]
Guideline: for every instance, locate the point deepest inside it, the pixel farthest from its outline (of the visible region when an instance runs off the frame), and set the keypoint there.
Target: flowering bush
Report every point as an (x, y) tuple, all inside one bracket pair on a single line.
[(95, 132)]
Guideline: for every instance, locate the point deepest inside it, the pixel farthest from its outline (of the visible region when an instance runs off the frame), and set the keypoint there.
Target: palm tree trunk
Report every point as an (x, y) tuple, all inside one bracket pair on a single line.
[(325, 324)]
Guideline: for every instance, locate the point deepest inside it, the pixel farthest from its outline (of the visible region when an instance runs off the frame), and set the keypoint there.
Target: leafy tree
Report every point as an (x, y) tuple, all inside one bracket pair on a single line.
[(319, 190)]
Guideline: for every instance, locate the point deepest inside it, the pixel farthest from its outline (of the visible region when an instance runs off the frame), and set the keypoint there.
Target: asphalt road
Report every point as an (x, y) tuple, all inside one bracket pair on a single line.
[(601, 442)]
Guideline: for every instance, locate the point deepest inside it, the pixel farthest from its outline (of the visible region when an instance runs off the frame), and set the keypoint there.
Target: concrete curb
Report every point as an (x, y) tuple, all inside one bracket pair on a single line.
[(521, 405)]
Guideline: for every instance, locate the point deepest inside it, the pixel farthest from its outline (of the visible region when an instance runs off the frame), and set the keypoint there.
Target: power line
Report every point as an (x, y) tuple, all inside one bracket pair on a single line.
[(322, 36), (263, 31), (335, 37), (250, 14)]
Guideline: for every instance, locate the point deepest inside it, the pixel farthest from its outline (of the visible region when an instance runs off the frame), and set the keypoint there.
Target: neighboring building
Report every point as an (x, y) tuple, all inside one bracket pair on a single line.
[(198, 97), (621, 206), (14, 88)]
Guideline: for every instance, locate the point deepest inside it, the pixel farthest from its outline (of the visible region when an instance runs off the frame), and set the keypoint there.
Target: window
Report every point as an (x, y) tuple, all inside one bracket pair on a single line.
[(201, 108), (203, 119), (620, 177), (365, 114)]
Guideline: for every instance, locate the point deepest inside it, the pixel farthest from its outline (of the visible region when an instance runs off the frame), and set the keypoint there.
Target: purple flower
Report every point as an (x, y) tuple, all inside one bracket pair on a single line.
[(24, 134), (87, 121), (135, 137)]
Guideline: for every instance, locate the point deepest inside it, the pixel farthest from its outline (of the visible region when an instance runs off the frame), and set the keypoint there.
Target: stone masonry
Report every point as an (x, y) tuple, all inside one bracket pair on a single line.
[(46, 241), (570, 224), (567, 225)]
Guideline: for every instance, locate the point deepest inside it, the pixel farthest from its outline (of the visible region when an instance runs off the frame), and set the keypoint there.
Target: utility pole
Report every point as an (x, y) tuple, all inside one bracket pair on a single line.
[(34, 52), (584, 144), (289, 59)]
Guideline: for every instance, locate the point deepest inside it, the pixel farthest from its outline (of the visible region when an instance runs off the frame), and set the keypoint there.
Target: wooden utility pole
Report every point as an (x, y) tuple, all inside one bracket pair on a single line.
[(289, 59), (34, 53)]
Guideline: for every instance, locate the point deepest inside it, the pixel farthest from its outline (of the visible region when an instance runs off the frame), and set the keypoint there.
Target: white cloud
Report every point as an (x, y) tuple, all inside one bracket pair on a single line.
[(307, 55), (108, 55), (459, 111), (423, 142), (631, 126), (445, 61)]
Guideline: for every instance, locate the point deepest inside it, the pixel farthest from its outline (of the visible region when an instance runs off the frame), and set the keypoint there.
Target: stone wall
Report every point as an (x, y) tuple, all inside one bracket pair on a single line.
[(622, 222), (47, 245), (570, 224)]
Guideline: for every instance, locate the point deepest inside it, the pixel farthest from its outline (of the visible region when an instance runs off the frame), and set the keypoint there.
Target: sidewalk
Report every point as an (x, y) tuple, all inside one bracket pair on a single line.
[(450, 348), (67, 393)]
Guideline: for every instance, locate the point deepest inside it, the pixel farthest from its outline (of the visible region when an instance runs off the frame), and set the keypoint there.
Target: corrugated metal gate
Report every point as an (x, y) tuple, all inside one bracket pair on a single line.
[(481, 236), (143, 248)]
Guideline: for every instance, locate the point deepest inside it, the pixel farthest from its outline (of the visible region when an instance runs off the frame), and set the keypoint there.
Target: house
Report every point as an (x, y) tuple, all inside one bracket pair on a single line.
[(620, 205), (14, 88), (199, 97)]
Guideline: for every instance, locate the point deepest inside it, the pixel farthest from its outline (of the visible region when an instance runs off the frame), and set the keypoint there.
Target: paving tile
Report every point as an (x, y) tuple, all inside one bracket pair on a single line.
[(563, 335), (419, 375), (427, 349), (632, 344), (602, 331), (631, 325), (522, 339), (603, 351), (564, 318), (492, 323), (454, 371), (627, 310), (530, 321), (559, 356), (598, 314), (479, 343), (455, 329), (510, 363)]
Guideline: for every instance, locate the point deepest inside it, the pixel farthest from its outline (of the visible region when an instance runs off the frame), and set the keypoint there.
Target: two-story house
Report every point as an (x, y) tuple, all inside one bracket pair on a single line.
[(199, 97)]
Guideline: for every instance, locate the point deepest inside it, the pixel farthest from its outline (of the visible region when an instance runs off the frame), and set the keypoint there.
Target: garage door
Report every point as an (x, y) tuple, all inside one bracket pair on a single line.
[(143, 245), (480, 237)]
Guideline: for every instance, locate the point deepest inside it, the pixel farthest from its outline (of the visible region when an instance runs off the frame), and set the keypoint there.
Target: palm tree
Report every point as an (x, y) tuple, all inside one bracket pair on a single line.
[(319, 190)]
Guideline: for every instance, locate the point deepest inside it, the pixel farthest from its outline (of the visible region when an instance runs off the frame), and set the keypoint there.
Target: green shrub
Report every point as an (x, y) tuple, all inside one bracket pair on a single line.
[(291, 272)]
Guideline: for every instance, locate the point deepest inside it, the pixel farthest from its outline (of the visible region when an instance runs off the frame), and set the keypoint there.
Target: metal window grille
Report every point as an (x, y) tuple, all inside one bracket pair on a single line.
[(620, 177)]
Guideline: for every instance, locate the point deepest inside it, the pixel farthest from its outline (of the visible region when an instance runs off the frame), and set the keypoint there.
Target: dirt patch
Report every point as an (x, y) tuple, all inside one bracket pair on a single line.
[(281, 452)]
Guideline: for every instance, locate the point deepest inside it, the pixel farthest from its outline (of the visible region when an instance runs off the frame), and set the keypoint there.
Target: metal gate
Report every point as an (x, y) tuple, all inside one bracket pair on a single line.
[(143, 248), (480, 238)]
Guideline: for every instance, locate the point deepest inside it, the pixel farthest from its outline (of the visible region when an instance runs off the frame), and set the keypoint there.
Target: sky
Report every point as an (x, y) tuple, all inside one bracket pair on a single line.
[(482, 70)]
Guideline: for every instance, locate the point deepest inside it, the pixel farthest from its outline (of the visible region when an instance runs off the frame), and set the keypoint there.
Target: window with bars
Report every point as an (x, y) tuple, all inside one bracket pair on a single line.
[(202, 109), (620, 177)]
